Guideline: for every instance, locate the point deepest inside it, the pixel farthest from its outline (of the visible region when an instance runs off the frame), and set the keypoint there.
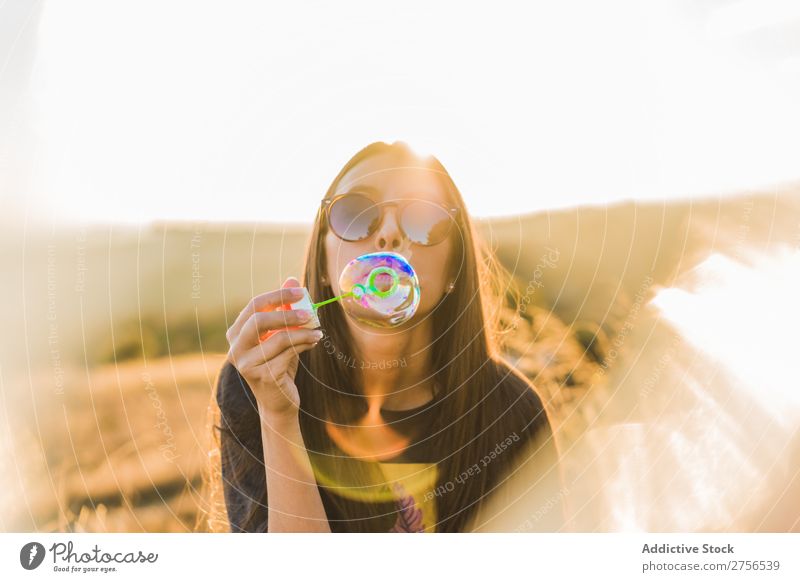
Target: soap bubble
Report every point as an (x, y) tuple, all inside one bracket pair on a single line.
[(382, 289)]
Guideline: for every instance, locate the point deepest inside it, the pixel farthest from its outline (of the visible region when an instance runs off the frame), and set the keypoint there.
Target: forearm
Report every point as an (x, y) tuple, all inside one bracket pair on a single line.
[(294, 503)]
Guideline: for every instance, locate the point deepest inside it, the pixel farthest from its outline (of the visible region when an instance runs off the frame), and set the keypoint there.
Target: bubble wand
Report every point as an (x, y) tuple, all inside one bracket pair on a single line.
[(369, 285), (358, 290)]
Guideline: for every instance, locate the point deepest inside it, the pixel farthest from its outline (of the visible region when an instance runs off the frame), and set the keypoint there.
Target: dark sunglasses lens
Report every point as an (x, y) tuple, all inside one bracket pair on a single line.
[(425, 223), (354, 217)]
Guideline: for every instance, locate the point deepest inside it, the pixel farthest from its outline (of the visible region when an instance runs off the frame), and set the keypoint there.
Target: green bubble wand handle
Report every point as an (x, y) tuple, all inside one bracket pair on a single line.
[(358, 290), (331, 300)]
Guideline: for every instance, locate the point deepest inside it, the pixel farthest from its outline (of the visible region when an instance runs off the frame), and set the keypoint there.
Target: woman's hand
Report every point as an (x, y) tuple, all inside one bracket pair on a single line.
[(265, 348)]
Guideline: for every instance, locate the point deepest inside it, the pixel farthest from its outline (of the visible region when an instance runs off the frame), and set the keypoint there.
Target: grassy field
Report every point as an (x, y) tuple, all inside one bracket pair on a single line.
[(108, 364)]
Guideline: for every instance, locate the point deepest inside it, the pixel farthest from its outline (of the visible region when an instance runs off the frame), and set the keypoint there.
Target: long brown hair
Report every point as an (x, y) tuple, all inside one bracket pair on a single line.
[(483, 400)]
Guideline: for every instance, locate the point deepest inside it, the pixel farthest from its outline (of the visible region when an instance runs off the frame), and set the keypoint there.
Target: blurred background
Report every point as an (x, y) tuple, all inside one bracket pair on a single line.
[(635, 168)]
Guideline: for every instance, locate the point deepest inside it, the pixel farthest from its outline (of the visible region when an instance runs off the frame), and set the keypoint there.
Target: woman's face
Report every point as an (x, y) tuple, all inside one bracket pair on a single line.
[(385, 178)]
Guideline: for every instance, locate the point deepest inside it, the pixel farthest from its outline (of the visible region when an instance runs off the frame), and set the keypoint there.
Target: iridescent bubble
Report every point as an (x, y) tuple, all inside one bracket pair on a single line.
[(381, 289)]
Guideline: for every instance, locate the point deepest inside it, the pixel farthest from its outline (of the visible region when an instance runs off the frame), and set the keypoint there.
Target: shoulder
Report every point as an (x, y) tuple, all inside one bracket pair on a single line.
[(238, 409), (233, 392), (522, 397)]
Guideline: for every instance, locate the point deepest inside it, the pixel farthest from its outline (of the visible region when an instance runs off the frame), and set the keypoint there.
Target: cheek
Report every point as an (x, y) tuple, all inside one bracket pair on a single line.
[(339, 253), (433, 266)]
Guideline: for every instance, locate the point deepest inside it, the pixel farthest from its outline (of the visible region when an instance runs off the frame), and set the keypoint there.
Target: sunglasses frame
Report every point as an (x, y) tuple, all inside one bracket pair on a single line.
[(327, 204)]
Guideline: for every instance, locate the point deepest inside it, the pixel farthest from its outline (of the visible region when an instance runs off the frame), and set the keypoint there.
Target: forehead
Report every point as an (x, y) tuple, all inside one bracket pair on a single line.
[(390, 176)]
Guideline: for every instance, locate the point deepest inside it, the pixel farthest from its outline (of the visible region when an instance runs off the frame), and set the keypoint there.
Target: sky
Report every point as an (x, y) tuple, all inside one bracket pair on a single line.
[(243, 111)]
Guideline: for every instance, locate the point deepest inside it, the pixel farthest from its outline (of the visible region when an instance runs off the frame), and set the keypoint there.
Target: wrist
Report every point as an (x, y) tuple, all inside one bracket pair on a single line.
[(278, 420), (279, 429)]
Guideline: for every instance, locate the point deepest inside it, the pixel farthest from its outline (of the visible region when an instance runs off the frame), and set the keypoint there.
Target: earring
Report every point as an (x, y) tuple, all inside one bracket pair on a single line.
[(450, 286)]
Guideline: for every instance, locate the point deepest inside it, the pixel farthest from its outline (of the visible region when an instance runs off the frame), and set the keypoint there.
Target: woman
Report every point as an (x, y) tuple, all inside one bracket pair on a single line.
[(363, 429)]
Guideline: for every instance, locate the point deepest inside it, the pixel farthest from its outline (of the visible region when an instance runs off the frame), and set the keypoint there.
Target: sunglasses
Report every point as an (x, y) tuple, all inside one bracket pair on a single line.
[(354, 217)]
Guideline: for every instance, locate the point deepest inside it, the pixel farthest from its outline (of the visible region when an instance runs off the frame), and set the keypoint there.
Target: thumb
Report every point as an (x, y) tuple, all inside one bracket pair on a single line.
[(290, 282)]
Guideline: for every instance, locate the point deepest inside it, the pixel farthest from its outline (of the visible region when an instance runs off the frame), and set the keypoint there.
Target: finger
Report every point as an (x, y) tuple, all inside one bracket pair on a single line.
[(268, 301), (281, 362), (277, 343), (253, 336), (263, 324), (255, 358)]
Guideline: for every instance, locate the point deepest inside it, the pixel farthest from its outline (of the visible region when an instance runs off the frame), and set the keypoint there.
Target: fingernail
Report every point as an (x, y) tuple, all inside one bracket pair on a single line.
[(296, 291), (316, 334), (303, 314)]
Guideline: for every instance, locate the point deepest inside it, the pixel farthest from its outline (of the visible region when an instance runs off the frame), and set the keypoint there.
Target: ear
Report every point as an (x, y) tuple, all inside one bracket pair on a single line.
[(451, 282)]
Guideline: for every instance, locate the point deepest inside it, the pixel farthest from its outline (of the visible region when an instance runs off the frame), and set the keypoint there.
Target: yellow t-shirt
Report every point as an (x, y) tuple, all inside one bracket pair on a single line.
[(412, 475), (413, 484), (407, 478)]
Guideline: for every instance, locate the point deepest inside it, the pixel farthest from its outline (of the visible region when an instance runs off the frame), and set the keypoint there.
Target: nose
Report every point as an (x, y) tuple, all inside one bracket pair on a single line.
[(389, 236)]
